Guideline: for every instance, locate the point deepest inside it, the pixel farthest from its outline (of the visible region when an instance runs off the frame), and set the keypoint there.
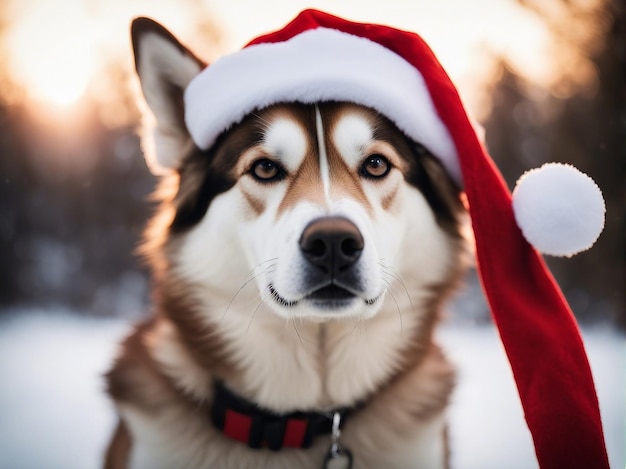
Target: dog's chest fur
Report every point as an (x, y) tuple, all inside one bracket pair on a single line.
[(167, 411), (232, 299)]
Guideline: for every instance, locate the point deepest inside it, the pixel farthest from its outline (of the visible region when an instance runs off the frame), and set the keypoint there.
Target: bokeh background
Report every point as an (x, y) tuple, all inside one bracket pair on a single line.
[(546, 78)]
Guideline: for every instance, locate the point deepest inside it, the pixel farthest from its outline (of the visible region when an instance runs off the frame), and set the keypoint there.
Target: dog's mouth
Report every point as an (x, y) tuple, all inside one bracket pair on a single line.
[(331, 292), (329, 297)]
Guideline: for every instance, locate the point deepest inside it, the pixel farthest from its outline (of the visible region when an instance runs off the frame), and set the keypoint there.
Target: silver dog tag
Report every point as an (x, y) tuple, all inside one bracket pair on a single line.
[(337, 456)]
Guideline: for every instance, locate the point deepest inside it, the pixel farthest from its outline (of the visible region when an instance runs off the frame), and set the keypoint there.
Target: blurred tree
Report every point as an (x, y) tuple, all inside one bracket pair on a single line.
[(76, 205), (579, 119), (11, 176), (74, 190)]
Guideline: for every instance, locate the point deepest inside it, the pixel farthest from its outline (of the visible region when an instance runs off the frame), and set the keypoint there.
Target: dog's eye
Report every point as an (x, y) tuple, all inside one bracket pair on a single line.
[(375, 167), (266, 170)]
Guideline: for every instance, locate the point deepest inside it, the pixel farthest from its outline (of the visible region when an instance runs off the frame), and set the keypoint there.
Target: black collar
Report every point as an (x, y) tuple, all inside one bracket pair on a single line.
[(245, 421)]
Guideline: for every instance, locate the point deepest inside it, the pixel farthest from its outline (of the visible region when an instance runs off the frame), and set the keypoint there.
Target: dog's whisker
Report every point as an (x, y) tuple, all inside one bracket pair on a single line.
[(297, 323), (274, 259), (295, 328), (232, 300), (357, 323), (268, 269), (252, 317), (392, 272), (263, 298), (393, 297)]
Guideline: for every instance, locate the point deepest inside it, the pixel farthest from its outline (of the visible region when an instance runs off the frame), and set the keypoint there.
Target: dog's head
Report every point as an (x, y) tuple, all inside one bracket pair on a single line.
[(315, 210)]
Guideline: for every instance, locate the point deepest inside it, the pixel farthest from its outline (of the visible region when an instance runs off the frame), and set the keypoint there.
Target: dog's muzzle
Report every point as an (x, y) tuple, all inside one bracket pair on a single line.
[(332, 246)]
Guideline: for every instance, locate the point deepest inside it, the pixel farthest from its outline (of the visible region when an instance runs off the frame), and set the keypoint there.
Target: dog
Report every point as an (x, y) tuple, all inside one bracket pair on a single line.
[(300, 267)]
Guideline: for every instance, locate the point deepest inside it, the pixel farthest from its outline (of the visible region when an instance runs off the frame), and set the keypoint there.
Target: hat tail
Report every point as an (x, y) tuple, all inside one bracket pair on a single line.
[(538, 330), (536, 326)]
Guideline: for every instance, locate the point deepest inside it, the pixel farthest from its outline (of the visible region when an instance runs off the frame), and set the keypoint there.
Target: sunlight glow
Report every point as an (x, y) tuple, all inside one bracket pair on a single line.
[(59, 51), (53, 52)]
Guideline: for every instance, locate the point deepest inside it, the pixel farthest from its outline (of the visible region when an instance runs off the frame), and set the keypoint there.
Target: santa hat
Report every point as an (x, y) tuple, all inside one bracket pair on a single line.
[(319, 57)]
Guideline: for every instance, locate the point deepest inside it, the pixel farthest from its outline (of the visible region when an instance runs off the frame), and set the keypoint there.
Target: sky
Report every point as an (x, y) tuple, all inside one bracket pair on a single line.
[(57, 53)]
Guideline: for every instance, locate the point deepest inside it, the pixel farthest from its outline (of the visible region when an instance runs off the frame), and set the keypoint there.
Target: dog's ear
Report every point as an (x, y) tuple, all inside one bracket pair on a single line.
[(165, 68)]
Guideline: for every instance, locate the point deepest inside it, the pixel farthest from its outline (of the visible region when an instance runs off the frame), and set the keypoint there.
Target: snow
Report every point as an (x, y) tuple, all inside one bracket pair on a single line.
[(54, 414), (487, 425)]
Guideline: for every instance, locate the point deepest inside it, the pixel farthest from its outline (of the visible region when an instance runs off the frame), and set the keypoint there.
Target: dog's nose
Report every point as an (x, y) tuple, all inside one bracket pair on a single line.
[(333, 244)]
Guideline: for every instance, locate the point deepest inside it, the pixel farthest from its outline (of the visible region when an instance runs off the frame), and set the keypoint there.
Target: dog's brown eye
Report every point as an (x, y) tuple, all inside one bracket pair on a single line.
[(375, 167), (266, 170)]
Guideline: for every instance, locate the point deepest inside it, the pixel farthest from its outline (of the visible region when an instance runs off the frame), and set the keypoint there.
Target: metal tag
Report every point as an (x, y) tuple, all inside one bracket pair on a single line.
[(338, 458)]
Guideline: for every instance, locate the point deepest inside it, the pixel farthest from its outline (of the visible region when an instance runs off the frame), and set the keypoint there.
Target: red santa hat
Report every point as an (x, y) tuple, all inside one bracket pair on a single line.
[(320, 57)]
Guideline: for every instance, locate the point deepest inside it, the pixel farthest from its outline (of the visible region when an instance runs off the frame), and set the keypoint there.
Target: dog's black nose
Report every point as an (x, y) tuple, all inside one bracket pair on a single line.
[(333, 244)]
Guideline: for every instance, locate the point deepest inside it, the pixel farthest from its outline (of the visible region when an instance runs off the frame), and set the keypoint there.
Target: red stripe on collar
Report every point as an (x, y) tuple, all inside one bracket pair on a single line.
[(237, 426), (244, 421), (294, 433)]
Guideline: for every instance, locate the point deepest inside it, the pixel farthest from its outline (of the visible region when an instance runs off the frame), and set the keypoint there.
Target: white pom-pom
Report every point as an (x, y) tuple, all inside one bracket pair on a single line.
[(559, 209)]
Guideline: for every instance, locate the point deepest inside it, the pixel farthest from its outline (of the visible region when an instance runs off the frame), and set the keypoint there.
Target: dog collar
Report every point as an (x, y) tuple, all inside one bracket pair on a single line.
[(245, 421)]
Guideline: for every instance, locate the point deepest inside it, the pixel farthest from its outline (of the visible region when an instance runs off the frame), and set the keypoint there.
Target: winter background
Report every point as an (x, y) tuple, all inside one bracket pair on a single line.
[(544, 77)]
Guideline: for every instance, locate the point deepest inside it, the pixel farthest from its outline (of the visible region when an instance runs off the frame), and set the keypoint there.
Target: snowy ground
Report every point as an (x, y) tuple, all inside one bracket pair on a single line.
[(53, 413)]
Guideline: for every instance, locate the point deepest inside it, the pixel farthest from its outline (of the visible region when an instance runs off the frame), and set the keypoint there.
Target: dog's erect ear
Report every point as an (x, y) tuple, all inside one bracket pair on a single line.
[(165, 68)]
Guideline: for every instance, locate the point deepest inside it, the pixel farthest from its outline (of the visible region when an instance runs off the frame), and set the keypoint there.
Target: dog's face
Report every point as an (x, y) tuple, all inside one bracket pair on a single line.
[(320, 211), (317, 211)]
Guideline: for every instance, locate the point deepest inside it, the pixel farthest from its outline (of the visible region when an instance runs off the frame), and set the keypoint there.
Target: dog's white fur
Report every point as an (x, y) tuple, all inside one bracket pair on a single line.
[(301, 356)]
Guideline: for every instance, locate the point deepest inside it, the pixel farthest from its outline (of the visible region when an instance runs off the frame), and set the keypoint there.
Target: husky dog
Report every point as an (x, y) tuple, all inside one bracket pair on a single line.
[(299, 267)]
